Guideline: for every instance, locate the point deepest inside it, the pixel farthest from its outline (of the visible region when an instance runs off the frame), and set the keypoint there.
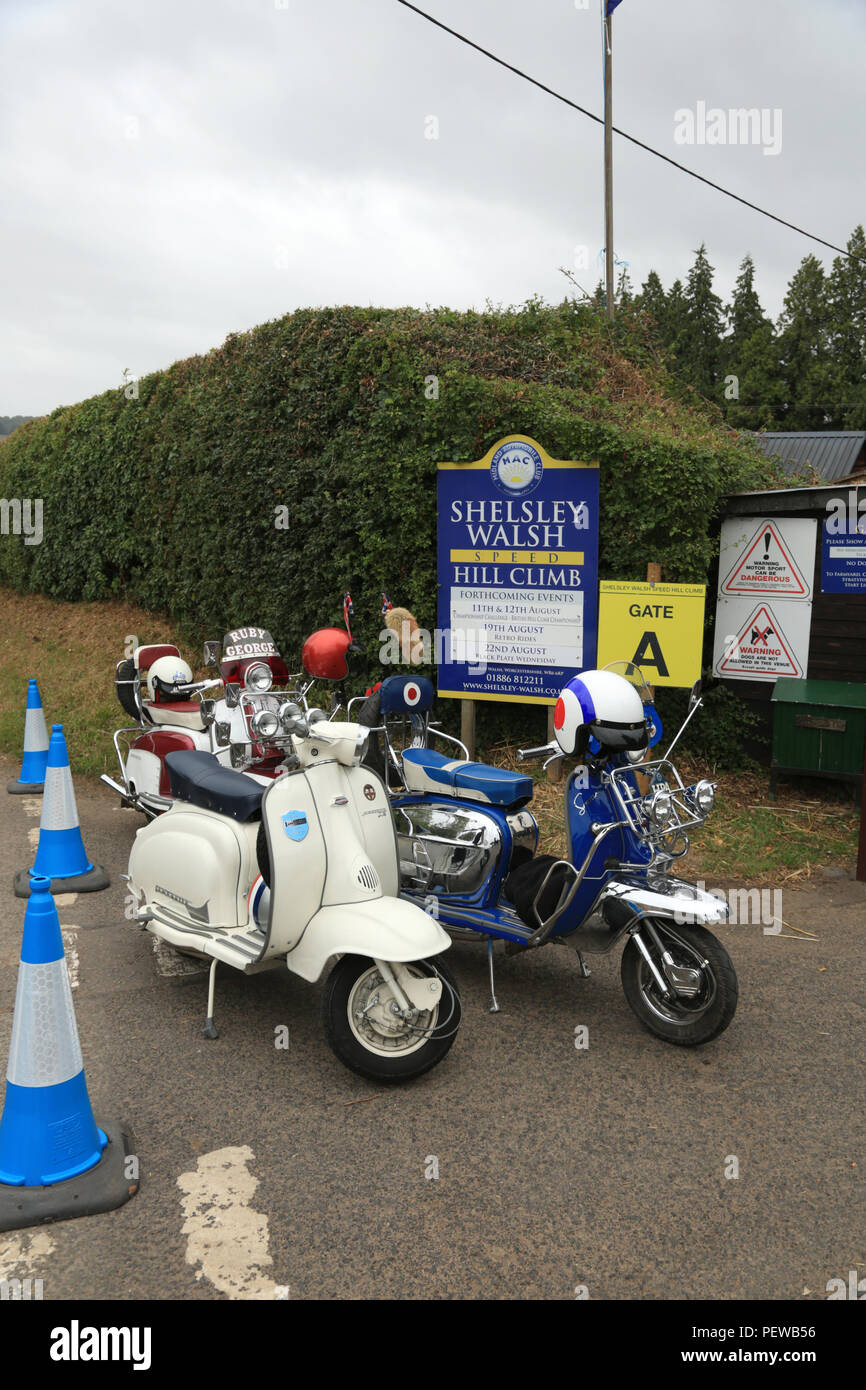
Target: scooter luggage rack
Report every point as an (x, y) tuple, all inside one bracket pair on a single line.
[(195, 688), (241, 748), (663, 778), (419, 741)]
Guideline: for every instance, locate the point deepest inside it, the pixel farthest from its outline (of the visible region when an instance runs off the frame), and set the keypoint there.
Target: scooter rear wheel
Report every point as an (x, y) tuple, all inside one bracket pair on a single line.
[(365, 1034)]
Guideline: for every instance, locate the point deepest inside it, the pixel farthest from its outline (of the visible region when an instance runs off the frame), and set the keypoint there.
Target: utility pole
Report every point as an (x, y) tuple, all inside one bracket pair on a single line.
[(607, 19)]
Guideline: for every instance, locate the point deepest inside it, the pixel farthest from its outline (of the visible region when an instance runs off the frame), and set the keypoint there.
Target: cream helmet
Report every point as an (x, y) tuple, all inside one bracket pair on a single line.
[(605, 705), (168, 670)]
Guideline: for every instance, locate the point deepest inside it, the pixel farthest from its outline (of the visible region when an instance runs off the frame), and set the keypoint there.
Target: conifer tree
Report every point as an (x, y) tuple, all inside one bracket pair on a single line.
[(698, 349), (810, 386), (846, 295)]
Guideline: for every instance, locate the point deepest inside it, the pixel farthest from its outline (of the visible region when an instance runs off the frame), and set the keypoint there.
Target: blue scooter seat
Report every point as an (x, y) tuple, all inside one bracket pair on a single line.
[(427, 771), (201, 779)]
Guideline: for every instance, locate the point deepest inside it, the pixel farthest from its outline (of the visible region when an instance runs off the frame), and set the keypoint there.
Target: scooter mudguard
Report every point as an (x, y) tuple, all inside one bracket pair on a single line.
[(386, 929), (669, 897)]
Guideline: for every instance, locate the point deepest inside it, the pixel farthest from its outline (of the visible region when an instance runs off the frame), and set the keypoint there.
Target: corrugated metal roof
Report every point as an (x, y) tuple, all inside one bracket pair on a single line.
[(832, 453)]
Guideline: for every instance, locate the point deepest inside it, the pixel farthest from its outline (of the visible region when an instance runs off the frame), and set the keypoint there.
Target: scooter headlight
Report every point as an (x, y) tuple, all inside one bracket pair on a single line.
[(258, 677), (290, 713), (661, 808), (635, 755), (705, 796), (265, 723)]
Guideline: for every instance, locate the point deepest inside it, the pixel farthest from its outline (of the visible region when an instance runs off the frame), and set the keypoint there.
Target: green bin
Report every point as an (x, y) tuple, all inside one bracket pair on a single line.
[(819, 729)]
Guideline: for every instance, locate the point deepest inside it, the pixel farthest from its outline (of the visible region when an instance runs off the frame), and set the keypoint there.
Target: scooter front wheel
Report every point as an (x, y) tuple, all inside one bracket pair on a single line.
[(708, 1000), (370, 1037)]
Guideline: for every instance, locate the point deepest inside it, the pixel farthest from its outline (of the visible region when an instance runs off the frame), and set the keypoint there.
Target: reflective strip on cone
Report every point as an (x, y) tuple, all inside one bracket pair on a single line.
[(45, 1050), (59, 811), (35, 732)]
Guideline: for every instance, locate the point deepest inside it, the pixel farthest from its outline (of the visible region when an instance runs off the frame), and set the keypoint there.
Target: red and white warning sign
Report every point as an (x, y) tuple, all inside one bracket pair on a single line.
[(760, 646), (776, 558)]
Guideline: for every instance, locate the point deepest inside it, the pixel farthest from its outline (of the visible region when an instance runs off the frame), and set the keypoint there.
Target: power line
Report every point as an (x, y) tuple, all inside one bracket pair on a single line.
[(625, 135)]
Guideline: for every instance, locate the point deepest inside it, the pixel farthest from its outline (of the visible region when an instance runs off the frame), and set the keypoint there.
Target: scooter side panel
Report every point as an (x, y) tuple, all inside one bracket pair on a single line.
[(189, 863), (375, 826), (585, 807), (299, 859)]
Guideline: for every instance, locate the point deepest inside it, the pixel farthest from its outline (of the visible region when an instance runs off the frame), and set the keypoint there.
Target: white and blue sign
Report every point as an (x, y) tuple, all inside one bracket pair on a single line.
[(518, 573), (295, 824), (843, 556)]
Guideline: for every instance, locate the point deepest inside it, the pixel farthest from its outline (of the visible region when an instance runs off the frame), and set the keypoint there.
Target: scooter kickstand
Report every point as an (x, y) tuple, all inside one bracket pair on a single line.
[(210, 1030), (494, 1007)]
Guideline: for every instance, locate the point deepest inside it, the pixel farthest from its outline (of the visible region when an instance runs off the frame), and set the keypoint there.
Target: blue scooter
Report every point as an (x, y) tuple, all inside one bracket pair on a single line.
[(467, 848)]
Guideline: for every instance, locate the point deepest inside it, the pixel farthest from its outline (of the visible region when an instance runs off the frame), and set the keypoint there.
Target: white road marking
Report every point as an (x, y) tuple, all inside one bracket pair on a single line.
[(33, 837), (32, 806), (65, 900), (23, 1256), (70, 947), (226, 1238), (173, 964)]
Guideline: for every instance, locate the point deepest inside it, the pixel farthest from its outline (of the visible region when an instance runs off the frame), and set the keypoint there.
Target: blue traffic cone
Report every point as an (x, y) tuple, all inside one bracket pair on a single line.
[(32, 778), (60, 854), (53, 1162)]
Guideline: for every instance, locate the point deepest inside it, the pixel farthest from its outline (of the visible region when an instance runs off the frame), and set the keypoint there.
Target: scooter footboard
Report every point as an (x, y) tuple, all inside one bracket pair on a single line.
[(384, 929)]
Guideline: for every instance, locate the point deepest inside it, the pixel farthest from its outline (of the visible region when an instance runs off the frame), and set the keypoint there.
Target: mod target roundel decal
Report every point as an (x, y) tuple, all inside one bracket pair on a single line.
[(559, 714), (411, 693)]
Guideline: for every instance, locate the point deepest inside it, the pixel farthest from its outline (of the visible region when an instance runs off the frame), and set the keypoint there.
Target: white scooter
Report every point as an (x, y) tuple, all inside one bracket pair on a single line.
[(298, 872)]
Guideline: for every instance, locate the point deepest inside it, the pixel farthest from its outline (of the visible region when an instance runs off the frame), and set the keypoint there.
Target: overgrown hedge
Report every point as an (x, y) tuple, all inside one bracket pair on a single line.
[(170, 499)]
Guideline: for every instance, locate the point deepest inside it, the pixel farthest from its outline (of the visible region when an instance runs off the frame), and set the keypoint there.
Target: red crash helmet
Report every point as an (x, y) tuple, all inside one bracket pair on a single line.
[(324, 654)]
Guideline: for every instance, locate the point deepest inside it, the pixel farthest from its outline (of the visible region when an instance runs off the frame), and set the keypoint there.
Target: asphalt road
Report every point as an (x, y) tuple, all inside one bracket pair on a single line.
[(275, 1173)]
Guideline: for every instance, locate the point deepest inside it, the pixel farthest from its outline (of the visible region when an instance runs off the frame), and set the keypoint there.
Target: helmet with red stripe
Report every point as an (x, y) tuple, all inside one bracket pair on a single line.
[(601, 704)]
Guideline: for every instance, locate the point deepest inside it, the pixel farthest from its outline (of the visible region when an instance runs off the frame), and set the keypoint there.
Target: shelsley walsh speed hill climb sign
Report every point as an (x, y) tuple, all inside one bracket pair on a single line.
[(518, 573)]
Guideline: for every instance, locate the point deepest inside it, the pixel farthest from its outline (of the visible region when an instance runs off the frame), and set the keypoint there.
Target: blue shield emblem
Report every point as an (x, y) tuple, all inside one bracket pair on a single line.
[(295, 824)]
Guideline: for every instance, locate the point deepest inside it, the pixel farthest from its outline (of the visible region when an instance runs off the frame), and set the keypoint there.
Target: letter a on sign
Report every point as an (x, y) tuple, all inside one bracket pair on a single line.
[(649, 653)]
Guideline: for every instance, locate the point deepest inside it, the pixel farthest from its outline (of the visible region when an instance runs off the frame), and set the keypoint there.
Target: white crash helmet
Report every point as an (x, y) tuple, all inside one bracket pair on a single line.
[(168, 670), (603, 704)]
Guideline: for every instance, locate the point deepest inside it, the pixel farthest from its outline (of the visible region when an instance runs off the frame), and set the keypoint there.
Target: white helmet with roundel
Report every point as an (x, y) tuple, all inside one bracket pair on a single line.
[(168, 671), (603, 704)]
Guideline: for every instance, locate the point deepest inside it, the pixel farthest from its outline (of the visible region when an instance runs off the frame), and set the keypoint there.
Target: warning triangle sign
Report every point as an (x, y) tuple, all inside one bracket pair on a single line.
[(766, 566), (760, 649)]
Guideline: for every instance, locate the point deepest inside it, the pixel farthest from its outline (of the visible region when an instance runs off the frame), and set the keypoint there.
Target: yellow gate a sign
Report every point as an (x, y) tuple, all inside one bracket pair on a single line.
[(660, 627)]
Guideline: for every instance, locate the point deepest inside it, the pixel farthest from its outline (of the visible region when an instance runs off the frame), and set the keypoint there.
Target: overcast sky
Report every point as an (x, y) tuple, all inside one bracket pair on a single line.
[(176, 170)]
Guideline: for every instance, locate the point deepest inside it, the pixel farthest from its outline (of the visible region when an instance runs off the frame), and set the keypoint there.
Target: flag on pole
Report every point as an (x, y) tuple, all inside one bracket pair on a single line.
[(610, 7)]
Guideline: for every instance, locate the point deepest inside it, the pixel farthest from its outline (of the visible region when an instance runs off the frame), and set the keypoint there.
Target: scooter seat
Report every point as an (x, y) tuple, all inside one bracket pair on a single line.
[(201, 779), (427, 771), (183, 713)]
